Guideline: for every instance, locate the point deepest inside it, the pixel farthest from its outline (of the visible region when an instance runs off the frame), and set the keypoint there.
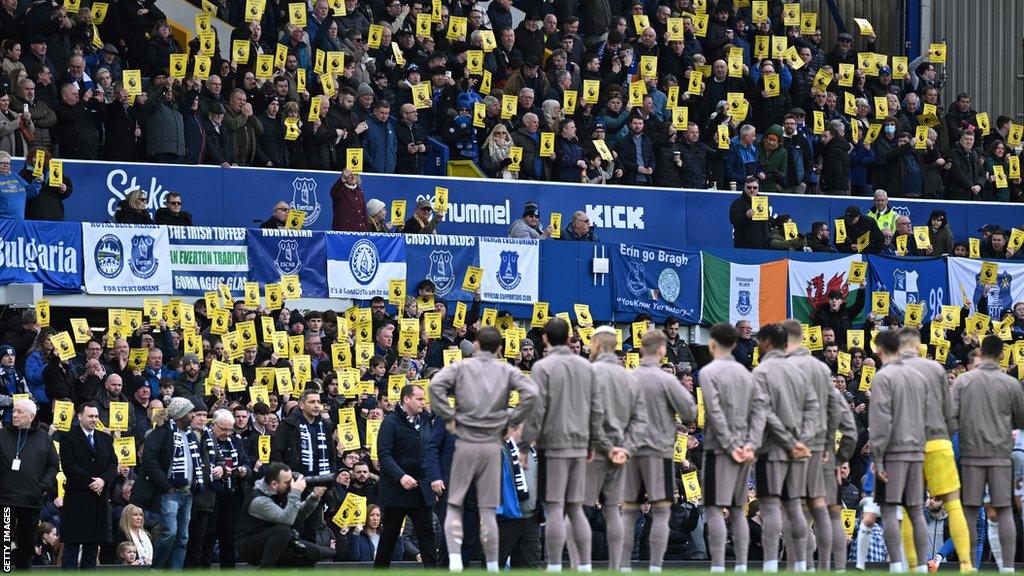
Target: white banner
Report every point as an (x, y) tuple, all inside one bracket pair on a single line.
[(360, 265), (126, 259), (965, 288), (511, 270)]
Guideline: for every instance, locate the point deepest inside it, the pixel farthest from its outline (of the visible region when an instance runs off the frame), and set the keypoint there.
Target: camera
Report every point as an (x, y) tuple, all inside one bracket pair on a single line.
[(320, 480)]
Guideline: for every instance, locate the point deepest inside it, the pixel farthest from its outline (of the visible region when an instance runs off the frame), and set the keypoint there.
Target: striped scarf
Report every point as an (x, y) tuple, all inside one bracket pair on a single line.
[(179, 464), (322, 464)]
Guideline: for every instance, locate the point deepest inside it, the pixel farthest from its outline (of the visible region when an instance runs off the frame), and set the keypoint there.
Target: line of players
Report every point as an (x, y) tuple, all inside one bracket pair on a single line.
[(604, 433)]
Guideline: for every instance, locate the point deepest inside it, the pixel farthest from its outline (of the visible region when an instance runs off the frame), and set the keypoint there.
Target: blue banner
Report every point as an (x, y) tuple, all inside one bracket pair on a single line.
[(49, 253), (442, 260), (275, 253), (361, 265), (658, 281), (203, 258), (480, 207), (909, 281)]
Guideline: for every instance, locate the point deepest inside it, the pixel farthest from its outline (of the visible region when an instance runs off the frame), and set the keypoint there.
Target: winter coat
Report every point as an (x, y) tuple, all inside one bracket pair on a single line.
[(49, 204), (28, 486), (86, 516), (165, 216), (965, 171), (567, 154), (349, 208), (747, 233), (835, 166), (402, 449)]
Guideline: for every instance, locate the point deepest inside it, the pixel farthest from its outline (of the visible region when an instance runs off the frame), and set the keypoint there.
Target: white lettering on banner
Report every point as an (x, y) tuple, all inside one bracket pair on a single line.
[(475, 213), (285, 232), (120, 185), (32, 256), (434, 240), (677, 260), (622, 217), (185, 282), (205, 233)]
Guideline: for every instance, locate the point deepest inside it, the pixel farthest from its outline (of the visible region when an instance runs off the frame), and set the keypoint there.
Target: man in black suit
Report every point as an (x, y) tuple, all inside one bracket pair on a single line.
[(90, 465), (404, 489)]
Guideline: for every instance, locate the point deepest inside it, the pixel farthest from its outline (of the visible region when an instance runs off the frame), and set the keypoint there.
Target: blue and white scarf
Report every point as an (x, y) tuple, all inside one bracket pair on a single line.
[(179, 464), (323, 463)]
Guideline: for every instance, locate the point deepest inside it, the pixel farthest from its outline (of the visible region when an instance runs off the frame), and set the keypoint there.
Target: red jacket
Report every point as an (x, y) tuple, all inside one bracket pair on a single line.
[(349, 209)]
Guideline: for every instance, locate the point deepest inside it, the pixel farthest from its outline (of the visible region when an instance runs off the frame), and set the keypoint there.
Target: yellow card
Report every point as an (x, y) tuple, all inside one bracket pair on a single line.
[(547, 144), (849, 517), (240, 51), (274, 296), (475, 62), (452, 355), (540, 315), (921, 237), (398, 212), (374, 36), (118, 416), (487, 40), (471, 281), (771, 84), (865, 27), (867, 376), (459, 318), (913, 314), (989, 273), (790, 230), (295, 220), (1013, 165), (855, 338), (695, 84), (843, 360), (808, 23), (421, 95), (759, 11), (440, 199), (511, 344), (124, 449), (354, 160), (760, 206), (422, 25), (556, 225), (691, 485), (937, 53), (858, 272), (254, 10), (515, 154)]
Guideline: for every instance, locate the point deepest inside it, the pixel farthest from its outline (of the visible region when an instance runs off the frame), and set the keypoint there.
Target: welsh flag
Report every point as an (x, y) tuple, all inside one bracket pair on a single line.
[(810, 283), (734, 292)]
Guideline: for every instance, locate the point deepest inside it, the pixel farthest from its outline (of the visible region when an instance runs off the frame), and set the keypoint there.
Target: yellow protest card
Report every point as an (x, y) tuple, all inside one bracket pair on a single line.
[(273, 295), (421, 95), (540, 315), (760, 206), (475, 62), (354, 160), (695, 85), (457, 26), (353, 509), (691, 485), (759, 11), (80, 329), (569, 98), (177, 64), (822, 78), (265, 66), (422, 25), (124, 449), (843, 360), (735, 62), (515, 154), (132, 81), (99, 12), (118, 417), (858, 272), (808, 23), (937, 53), (240, 51), (771, 84), (779, 46), (867, 375), (855, 338), (432, 323), (791, 14), (1000, 176), (675, 31), (632, 360), (295, 220), (511, 344), (790, 230), (556, 225), (913, 314), (849, 517), (921, 237), (863, 242), (459, 317), (865, 27), (487, 40), (989, 273), (640, 22), (254, 10), (1013, 167)]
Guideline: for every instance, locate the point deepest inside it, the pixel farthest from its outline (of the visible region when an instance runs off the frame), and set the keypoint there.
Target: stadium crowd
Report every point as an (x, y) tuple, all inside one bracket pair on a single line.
[(681, 94), (258, 394)]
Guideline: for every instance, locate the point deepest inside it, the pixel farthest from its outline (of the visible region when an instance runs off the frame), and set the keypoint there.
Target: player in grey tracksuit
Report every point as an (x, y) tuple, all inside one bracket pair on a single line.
[(791, 421), (650, 470), (841, 421), (940, 470), (480, 419), (899, 401), (819, 378), (625, 427), (987, 406), (733, 409), (566, 424)]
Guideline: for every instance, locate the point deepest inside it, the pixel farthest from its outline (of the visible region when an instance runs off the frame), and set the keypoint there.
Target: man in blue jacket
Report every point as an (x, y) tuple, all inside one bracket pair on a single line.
[(404, 489), (381, 144), (14, 190)]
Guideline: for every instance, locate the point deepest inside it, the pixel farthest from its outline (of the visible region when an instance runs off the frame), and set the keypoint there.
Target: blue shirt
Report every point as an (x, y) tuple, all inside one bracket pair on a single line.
[(14, 191)]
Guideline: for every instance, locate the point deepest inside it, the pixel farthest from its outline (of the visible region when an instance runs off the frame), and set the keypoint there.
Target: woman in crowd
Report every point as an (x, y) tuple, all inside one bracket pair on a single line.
[(132, 526)]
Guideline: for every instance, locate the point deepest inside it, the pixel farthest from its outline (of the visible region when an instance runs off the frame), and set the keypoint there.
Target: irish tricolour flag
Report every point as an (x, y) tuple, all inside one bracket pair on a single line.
[(734, 292)]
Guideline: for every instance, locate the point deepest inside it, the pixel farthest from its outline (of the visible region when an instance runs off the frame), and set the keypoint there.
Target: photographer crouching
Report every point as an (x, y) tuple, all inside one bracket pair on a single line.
[(265, 537)]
